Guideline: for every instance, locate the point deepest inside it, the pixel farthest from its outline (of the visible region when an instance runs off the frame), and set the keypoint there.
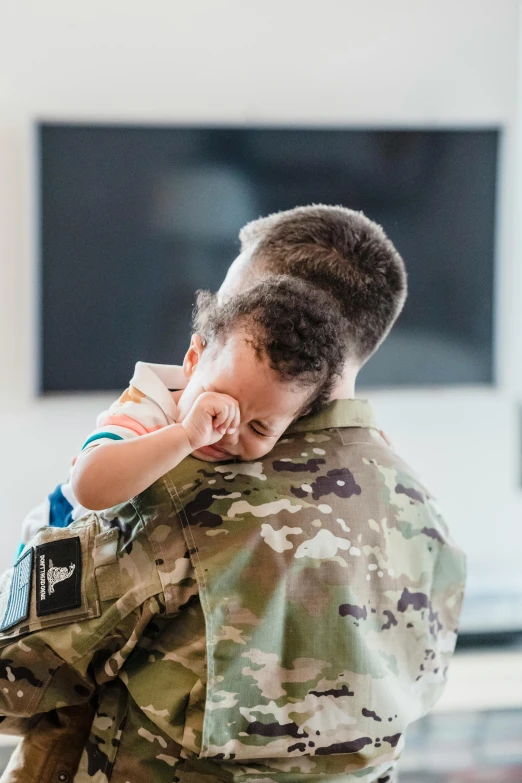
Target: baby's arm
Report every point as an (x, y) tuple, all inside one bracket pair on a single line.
[(112, 472)]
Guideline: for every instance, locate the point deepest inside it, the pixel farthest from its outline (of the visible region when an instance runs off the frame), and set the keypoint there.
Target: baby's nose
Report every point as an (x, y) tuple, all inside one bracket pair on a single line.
[(230, 438)]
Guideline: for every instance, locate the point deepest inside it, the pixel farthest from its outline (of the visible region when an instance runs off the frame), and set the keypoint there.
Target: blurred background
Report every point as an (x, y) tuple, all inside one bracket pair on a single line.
[(136, 139)]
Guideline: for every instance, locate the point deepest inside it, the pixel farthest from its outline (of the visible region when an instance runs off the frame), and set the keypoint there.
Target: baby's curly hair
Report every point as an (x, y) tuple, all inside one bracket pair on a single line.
[(298, 328)]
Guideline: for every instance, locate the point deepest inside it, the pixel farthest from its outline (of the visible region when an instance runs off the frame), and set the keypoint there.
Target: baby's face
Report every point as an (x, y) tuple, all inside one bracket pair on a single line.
[(267, 404)]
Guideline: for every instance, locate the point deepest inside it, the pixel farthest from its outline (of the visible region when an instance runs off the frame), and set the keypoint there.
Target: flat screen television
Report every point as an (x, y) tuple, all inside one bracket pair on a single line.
[(133, 220)]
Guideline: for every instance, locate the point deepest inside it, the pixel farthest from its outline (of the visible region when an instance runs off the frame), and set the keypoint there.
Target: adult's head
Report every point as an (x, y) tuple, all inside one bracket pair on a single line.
[(337, 250)]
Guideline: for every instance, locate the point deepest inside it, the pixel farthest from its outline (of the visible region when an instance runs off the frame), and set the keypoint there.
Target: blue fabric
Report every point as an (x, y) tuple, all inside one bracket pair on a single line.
[(60, 512)]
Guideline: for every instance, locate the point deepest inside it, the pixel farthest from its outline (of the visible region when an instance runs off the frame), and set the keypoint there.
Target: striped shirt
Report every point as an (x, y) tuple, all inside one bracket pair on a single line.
[(145, 406)]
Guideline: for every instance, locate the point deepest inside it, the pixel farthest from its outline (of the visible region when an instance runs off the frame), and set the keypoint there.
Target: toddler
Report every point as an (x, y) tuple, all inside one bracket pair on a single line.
[(256, 362)]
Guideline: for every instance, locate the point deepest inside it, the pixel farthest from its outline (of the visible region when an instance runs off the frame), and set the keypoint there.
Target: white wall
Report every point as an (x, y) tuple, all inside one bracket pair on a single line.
[(401, 63)]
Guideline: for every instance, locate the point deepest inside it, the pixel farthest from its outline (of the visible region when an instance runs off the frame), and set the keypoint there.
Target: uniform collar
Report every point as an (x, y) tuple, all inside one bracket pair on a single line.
[(339, 413), (155, 380)]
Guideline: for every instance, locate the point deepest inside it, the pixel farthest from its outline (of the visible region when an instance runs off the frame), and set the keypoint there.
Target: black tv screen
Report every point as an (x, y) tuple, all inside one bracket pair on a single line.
[(135, 219)]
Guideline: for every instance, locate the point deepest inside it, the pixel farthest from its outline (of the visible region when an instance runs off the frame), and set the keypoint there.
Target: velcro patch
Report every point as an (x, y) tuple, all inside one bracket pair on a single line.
[(19, 592), (58, 576)]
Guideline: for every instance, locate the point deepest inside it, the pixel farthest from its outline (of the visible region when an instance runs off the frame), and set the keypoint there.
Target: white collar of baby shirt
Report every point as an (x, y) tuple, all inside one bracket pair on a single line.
[(155, 381)]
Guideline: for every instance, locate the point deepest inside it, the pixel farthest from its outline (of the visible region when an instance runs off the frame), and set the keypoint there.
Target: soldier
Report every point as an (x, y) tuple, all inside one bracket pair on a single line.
[(279, 621)]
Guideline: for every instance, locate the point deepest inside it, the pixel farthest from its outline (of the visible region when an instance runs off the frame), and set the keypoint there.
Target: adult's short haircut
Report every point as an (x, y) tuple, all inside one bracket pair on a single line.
[(341, 252)]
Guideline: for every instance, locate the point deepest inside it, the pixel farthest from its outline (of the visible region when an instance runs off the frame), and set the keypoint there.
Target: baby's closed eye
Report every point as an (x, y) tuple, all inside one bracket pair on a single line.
[(258, 432)]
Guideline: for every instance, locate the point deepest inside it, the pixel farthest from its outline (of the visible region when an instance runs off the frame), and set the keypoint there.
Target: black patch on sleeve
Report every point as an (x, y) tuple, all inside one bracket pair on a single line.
[(58, 576), (19, 592)]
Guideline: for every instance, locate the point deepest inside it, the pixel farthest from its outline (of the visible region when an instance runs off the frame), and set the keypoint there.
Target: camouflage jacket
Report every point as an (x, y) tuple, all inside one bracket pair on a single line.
[(280, 621)]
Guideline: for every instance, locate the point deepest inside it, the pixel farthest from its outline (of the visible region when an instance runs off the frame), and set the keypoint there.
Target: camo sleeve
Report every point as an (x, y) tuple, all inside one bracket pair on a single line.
[(63, 733), (73, 606)]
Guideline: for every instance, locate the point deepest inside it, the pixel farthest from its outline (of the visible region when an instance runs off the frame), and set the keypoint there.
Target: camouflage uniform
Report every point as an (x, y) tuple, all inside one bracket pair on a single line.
[(278, 621)]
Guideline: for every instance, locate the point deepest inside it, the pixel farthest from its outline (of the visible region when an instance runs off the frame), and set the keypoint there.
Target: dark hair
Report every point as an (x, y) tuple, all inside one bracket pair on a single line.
[(341, 252), (287, 321)]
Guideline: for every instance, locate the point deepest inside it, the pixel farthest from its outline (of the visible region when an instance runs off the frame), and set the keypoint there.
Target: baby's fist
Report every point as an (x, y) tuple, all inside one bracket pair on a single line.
[(211, 416)]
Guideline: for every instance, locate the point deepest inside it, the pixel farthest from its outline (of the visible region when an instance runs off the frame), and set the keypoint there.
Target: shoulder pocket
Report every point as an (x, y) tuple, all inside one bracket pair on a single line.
[(53, 581)]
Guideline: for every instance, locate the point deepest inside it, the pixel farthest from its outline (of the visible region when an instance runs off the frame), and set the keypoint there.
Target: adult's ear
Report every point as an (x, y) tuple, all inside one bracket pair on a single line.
[(193, 355)]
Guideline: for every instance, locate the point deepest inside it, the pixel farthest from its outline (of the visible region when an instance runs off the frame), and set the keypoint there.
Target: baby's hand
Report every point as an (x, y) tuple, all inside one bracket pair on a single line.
[(212, 416)]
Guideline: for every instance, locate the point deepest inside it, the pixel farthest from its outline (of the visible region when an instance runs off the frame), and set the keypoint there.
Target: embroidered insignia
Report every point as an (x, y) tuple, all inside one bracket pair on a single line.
[(58, 576), (55, 575)]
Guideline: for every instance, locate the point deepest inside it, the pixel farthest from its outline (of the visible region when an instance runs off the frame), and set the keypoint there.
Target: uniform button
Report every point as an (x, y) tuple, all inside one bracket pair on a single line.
[(63, 777)]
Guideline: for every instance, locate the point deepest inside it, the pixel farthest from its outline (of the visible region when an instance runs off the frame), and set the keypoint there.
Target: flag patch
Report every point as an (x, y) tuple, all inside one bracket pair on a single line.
[(20, 592), (58, 576)]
